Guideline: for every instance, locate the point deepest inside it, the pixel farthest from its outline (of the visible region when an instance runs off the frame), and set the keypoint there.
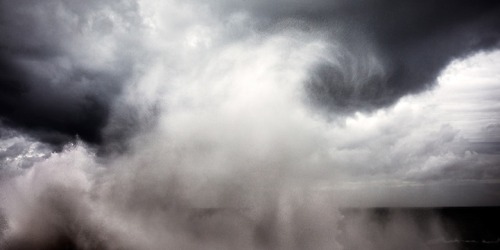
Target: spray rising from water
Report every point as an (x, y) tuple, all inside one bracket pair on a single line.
[(226, 152)]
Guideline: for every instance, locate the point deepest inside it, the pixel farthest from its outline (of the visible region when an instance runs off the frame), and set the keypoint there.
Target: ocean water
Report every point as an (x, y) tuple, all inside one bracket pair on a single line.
[(450, 228), (462, 228)]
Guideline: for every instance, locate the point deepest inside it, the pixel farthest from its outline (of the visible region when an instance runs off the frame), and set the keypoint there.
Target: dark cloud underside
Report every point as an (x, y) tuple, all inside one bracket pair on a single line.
[(411, 40), (197, 132), (414, 42), (386, 49), (47, 87)]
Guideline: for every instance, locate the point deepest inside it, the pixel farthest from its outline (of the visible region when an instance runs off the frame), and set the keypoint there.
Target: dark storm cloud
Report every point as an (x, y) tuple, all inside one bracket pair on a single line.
[(221, 153), (410, 41), (51, 88), (52, 84)]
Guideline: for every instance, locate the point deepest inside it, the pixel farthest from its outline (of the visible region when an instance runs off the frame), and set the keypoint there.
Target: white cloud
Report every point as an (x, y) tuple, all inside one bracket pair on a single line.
[(232, 129)]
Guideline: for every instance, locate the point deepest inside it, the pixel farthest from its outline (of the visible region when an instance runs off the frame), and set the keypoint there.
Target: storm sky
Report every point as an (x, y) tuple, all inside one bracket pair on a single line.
[(374, 103)]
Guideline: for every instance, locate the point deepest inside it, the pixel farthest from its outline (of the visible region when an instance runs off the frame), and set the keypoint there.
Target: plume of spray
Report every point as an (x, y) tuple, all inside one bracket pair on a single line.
[(226, 154)]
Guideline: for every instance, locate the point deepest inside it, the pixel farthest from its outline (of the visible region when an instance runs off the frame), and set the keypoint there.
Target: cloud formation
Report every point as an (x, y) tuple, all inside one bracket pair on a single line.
[(383, 50), (181, 124), (62, 63)]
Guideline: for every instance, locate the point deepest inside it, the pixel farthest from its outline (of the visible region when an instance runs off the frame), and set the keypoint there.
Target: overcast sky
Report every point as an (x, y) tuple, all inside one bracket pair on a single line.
[(375, 103), (332, 92), (139, 106)]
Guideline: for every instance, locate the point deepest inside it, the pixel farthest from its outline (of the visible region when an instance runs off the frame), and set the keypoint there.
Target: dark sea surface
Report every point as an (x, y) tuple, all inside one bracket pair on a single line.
[(450, 228), (463, 228)]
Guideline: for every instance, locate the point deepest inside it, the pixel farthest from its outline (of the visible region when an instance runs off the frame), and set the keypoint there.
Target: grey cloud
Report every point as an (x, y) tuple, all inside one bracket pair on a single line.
[(411, 41), (18, 152), (52, 88), (234, 161), (491, 133), (54, 83)]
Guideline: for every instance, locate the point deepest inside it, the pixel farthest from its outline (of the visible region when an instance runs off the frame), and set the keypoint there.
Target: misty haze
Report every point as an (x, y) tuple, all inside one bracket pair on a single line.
[(221, 124)]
